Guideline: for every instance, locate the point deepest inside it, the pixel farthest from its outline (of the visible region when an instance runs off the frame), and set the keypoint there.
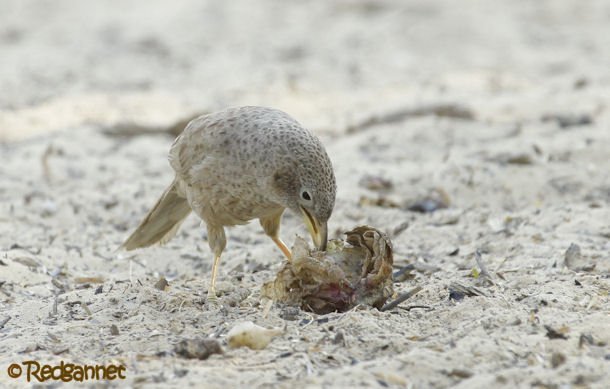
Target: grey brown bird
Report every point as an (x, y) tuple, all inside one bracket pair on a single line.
[(240, 164)]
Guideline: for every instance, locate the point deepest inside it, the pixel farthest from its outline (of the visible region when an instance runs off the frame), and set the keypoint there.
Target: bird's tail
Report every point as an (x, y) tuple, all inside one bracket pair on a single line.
[(162, 222)]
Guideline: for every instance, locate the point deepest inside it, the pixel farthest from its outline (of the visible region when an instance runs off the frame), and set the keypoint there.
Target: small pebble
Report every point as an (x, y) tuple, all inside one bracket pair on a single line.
[(162, 284), (198, 348), (339, 338), (290, 313), (557, 359), (248, 334), (575, 260), (376, 183)]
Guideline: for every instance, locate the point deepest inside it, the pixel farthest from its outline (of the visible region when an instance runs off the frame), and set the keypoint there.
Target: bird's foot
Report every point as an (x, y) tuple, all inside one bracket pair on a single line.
[(212, 298)]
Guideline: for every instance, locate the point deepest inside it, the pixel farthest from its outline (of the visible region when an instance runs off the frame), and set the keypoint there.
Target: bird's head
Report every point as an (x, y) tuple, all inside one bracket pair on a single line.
[(308, 188), (316, 206)]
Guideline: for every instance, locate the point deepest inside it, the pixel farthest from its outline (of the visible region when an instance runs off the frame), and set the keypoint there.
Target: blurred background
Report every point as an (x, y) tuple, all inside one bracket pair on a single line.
[(456, 127), (328, 63)]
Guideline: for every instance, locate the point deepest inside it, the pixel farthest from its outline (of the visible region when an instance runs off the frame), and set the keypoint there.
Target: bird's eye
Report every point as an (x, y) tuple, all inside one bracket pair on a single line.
[(305, 195)]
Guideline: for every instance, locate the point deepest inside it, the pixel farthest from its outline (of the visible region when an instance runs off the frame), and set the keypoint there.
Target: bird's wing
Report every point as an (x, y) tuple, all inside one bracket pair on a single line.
[(188, 149)]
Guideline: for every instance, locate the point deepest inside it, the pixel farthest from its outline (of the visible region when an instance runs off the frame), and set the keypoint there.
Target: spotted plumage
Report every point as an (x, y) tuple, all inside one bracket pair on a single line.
[(240, 164)]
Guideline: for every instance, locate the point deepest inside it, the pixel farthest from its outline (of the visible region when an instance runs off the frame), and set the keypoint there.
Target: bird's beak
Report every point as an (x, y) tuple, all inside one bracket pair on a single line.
[(318, 231)]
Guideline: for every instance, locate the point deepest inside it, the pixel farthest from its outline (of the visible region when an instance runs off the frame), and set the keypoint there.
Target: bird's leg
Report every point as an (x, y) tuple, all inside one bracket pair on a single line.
[(212, 288), (217, 241), (271, 225), (283, 247)]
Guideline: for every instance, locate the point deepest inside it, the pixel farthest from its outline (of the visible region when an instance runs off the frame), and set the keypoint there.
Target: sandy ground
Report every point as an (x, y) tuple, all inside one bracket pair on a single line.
[(523, 156)]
